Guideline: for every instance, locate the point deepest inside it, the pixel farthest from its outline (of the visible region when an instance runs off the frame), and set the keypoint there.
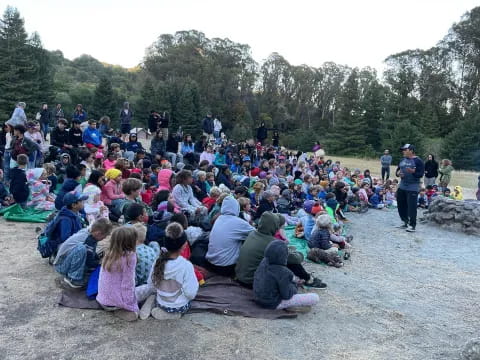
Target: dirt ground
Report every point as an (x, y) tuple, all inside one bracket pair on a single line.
[(401, 296)]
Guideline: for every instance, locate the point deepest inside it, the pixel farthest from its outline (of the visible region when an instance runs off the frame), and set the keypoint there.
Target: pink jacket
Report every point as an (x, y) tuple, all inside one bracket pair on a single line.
[(164, 176), (107, 164), (117, 288), (111, 191)]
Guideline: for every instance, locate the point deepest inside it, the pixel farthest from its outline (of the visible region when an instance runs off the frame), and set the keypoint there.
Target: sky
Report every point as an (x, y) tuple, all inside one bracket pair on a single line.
[(351, 32)]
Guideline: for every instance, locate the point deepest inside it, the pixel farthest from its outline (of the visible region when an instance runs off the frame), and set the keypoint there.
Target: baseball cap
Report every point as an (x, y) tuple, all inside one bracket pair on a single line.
[(73, 197), (308, 206), (408, 147)]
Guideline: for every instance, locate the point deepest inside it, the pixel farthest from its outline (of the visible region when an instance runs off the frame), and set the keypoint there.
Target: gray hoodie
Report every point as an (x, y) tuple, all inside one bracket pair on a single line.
[(227, 235), (69, 244)]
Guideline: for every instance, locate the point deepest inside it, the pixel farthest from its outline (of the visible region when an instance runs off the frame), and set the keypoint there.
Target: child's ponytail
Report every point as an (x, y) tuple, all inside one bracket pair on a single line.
[(159, 267)]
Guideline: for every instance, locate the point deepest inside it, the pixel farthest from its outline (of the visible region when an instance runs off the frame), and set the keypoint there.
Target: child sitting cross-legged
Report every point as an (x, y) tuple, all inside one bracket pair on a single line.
[(146, 254), (116, 283), (172, 283), (77, 257), (320, 243), (274, 285)]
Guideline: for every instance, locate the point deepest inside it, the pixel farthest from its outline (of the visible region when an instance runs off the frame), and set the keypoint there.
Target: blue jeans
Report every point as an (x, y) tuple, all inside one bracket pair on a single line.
[(73, 264), (44, 129)]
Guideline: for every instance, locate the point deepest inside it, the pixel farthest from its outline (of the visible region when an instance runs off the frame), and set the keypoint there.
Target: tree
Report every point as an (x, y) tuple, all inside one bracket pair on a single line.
[(17, 66), (145, 103), (103, 100)]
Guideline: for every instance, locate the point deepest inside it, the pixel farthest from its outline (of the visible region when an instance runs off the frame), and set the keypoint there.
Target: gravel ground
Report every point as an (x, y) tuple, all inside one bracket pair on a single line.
[(401, 296)]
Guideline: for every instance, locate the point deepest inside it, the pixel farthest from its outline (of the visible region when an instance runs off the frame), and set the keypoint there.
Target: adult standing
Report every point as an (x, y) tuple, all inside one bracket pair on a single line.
[(207, 126), (126, 116), (410, 170), (153, 122), (445, 173), (58, 114), (217, 128), (79, 114), (431, 171), (45, 119), (386, 161), (163, 125), (262, 133), (18, 116)]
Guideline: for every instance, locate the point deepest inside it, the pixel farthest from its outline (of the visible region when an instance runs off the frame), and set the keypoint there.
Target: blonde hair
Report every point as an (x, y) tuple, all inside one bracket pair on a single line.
[(215, 192), (49, 168), (243, 201), (122, 241), (141, 232)]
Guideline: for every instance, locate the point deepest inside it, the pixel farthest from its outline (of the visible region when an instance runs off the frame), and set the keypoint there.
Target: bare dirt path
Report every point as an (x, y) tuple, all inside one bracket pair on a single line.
[(401, 296)]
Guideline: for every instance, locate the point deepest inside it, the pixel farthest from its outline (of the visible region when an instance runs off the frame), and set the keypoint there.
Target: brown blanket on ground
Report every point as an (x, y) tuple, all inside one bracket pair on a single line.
[(219, 295)]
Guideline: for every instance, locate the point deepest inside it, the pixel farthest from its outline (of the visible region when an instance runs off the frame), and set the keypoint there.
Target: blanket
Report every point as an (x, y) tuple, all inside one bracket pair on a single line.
[(17, 213), (219, 295)]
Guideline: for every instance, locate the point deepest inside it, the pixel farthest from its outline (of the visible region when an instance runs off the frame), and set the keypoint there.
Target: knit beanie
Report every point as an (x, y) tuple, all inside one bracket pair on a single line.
[(112, 174)]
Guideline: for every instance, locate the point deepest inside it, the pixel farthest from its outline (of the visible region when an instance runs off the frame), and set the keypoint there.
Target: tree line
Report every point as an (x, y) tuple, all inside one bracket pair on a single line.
[(426, 97)]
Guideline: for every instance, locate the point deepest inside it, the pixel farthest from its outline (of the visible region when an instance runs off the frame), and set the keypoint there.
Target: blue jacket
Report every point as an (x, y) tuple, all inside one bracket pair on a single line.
[(134, 146), (375, 200), (92, 136), (411, 181), (187, 148), (320, 239), (69, 225)]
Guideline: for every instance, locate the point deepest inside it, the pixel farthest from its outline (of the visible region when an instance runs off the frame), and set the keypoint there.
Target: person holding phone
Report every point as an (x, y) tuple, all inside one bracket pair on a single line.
[(410, 170)]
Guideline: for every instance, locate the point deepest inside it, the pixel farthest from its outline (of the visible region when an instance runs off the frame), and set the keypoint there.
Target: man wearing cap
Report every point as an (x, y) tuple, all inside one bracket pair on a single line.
[(410, 170)]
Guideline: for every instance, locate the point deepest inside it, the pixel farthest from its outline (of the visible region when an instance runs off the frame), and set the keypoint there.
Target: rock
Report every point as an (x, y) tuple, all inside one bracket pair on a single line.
[(471, 351), (447, 216), (469, 206)]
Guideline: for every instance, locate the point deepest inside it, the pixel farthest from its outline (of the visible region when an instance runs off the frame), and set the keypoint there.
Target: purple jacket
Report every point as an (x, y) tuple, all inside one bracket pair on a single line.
[(117, 288)]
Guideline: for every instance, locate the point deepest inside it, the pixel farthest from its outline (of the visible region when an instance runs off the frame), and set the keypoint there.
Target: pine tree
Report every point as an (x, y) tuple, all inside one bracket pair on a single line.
[(103, 100), (146, 103), (404, 132), (373, 105), (462, 145), (187, 109), (349, 132), (17, 65), (44, 72)]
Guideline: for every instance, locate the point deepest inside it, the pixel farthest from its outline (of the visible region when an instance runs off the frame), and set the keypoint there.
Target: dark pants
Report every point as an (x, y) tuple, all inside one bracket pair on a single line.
[(299, 271), (228, 271), (407, 206), (385, 171)]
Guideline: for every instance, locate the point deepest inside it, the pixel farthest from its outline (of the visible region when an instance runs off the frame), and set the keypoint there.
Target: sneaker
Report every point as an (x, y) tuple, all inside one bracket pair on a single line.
[(299, 309), (316, 283), (147, 307), (403, 226), (73, 284), (349, 238), (161, 314), (410, 228), (126, 315)]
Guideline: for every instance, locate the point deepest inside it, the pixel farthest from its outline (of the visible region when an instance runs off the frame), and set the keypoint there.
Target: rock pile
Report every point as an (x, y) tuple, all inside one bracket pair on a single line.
[(455, 215)]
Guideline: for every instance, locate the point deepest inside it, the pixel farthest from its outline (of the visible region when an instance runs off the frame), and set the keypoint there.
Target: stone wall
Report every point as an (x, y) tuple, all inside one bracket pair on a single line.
[(455, 215)]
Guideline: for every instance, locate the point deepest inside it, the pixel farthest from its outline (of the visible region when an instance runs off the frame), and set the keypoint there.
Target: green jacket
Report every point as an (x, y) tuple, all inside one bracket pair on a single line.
[(445, 174), (253, 249)]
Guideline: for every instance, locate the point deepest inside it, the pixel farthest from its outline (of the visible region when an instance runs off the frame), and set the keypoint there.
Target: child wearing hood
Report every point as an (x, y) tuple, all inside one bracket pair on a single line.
[(40, 190), (273, 284), (94, 208), (458, 193)]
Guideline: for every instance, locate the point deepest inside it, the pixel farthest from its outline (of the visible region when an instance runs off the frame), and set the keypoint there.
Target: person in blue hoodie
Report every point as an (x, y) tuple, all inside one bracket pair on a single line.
[(376, 200), (411, 170), (70, 183), (91, 135), (66, 223)]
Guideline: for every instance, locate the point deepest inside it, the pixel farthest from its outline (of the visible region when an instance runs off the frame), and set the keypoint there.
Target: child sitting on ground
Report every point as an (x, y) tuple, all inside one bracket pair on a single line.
[(77, 256), (274, 285), (116, 284), (390, 197), (5, 197), (376, 200), (422, 201), (50, 170), (18, 181), (40, 190), (146, 254), (210, 200), (245, 209), (284, 203), (94, 207), (172, 284)]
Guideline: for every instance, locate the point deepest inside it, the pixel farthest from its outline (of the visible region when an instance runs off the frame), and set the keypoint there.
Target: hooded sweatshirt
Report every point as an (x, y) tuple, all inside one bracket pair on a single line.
[(92, 136), (164, 176), (179, 287), (68, 185), (251, 253), (273, 281), (227, 235), (458, 193)]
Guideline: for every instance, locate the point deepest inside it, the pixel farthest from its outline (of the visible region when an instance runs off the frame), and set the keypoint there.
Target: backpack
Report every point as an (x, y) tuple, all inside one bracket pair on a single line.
[(45, 241)]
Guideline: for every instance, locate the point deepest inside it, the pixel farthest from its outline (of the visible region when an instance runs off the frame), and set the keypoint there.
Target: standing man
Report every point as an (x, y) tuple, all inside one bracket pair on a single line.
[(58, 113), (126, 116), (386, 161), (207, 126), (410, 170), (45, 118), (262, 133)]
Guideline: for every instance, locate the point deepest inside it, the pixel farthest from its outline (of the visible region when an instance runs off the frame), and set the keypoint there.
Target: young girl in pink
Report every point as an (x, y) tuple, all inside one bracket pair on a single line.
[(116, 284), (40, 190), (94, 208)]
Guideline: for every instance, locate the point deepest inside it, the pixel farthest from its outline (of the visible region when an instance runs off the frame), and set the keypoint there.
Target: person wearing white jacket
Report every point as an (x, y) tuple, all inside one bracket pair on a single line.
[(172, 283), (217, 128)]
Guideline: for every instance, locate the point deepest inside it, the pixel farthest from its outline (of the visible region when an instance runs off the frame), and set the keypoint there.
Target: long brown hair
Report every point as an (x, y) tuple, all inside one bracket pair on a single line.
[(122, 241)]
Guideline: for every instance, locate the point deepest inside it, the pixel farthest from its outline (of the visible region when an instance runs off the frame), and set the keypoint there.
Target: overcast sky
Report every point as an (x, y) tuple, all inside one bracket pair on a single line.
[(352, 32)]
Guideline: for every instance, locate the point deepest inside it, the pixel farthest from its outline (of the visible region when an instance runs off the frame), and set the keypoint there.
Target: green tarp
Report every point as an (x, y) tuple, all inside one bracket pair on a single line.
[(16, 213)]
